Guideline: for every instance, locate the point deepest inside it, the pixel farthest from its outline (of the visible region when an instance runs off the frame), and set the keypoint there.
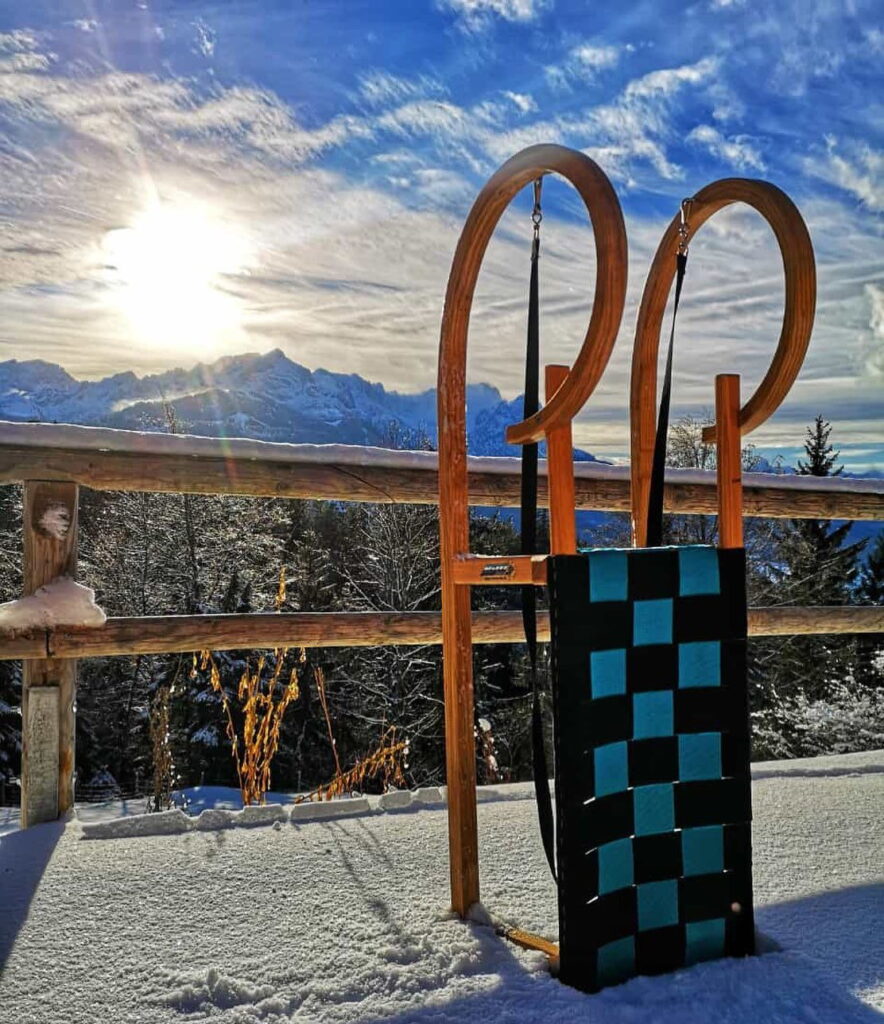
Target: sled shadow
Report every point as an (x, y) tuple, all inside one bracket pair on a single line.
[(23, 859), (842, 930), (831, 946)]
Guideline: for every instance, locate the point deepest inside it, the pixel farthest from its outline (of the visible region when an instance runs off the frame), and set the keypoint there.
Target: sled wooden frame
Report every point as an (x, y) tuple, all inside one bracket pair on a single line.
[(565, 394), (799, 268)]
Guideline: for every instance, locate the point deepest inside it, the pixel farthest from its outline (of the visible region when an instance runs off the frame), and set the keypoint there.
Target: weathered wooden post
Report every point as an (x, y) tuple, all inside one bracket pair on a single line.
[(48, 685)]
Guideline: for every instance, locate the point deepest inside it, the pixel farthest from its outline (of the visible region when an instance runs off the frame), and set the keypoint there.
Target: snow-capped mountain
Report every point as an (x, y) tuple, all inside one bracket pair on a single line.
[(267, 396)]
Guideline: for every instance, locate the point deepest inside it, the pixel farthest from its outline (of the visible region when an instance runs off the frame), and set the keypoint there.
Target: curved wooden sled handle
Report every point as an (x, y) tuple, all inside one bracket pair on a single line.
[(800, 275), (610, 289), (569, 397)]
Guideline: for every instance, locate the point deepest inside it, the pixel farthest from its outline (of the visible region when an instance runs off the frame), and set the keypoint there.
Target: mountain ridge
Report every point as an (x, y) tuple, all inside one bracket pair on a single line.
[(265, 396)]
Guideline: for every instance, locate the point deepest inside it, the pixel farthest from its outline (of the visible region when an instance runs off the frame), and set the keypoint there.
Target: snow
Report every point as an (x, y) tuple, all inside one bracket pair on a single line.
[(163, 823), (56, 520), (25, 435), (328, 809), (262, 814), (396, 800), (207, 735), (211, 820), (62, 602), (345, 920)]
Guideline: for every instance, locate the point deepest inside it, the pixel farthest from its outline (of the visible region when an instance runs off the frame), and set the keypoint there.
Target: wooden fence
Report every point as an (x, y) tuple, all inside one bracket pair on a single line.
[(53, 461)]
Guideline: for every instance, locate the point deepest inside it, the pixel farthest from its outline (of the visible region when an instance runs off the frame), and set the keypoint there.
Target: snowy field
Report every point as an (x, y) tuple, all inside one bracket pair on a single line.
[(344, 920)]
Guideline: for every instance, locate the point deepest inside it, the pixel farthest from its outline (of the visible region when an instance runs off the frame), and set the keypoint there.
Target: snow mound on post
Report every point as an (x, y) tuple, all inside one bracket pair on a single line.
[(312, 810), (63, 602), (395, 800), (260, 814), (215, 818), (164, 823)]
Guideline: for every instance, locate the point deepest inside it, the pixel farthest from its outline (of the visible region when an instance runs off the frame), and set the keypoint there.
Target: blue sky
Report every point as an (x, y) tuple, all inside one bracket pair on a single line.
[(184, 180)]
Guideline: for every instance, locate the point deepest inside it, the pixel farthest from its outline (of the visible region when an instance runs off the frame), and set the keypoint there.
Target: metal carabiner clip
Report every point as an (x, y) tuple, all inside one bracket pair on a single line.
[(683, 226), (537, 212)]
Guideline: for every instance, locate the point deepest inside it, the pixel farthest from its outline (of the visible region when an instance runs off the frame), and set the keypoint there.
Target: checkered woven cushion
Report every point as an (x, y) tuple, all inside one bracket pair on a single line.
[(652, 760)]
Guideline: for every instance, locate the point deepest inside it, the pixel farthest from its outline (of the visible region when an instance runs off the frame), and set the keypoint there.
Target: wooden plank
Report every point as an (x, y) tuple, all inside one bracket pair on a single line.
[(499, 571), (528, 940), (599, 487), (50, 550), (560, 472), (729, 464), (816, 620), (40, 739), (168, 634)]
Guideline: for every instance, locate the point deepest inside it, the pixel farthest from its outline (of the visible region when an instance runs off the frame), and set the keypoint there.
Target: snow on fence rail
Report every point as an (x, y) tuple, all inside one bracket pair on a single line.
[(128, 460), (52, 461)]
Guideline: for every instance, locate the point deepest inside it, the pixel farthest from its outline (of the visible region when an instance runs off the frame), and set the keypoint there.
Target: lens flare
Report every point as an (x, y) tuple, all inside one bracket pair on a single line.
[(167, 270)]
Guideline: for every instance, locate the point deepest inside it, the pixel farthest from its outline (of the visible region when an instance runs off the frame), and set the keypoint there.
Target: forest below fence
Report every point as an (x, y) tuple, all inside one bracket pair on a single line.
[(166, 720)]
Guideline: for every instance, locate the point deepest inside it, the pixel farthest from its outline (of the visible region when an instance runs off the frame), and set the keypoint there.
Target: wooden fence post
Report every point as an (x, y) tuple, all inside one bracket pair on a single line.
[(729, 465), (48, 685)]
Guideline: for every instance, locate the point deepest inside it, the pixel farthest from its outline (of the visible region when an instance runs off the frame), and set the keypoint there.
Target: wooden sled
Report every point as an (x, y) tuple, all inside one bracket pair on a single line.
[(566, 392)]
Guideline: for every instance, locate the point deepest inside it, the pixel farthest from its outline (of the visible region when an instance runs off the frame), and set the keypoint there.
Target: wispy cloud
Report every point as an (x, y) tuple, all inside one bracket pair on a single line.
[(477, 13), (860, 172), (523, 102), (739, 152), (631, 132), (636, 126), (380, 88), (349, 171), (875, 350), (665, 82), (583, 62)]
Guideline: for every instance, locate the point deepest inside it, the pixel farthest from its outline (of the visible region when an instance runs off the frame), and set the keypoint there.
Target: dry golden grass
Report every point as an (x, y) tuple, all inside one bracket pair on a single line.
[(163, 768), (384, 764), (262, 704), (319, 679)]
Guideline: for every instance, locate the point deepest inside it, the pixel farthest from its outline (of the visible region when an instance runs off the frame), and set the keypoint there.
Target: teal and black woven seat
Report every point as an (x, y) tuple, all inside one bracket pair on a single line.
[(652, 760)]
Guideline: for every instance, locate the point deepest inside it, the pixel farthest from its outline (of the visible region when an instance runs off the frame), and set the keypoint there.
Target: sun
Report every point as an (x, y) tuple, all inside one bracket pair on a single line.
[(167, 269)]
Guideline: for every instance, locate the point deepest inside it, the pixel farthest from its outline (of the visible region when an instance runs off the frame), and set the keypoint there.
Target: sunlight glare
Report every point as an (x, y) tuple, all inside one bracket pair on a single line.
[(166, 267)]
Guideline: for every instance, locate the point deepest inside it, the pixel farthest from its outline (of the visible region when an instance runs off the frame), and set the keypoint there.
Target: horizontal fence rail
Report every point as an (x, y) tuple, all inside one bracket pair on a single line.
[(54, 460), (169, 634), (125, 460)]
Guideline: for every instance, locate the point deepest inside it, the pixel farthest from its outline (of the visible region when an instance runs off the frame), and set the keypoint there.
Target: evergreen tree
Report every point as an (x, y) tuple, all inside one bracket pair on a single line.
[(870, 590), (813, 565), (818, 564), (821, 456)]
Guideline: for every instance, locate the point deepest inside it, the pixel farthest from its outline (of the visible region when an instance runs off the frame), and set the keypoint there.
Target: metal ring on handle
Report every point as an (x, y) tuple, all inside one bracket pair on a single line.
[(800, 274)]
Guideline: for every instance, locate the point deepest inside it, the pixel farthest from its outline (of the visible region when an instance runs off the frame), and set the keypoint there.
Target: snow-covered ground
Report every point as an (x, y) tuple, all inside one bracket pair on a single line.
[(344, 920)]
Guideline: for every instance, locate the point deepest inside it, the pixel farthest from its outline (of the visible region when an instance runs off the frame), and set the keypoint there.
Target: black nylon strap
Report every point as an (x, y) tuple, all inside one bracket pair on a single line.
[(529, 547), (658, 471)]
